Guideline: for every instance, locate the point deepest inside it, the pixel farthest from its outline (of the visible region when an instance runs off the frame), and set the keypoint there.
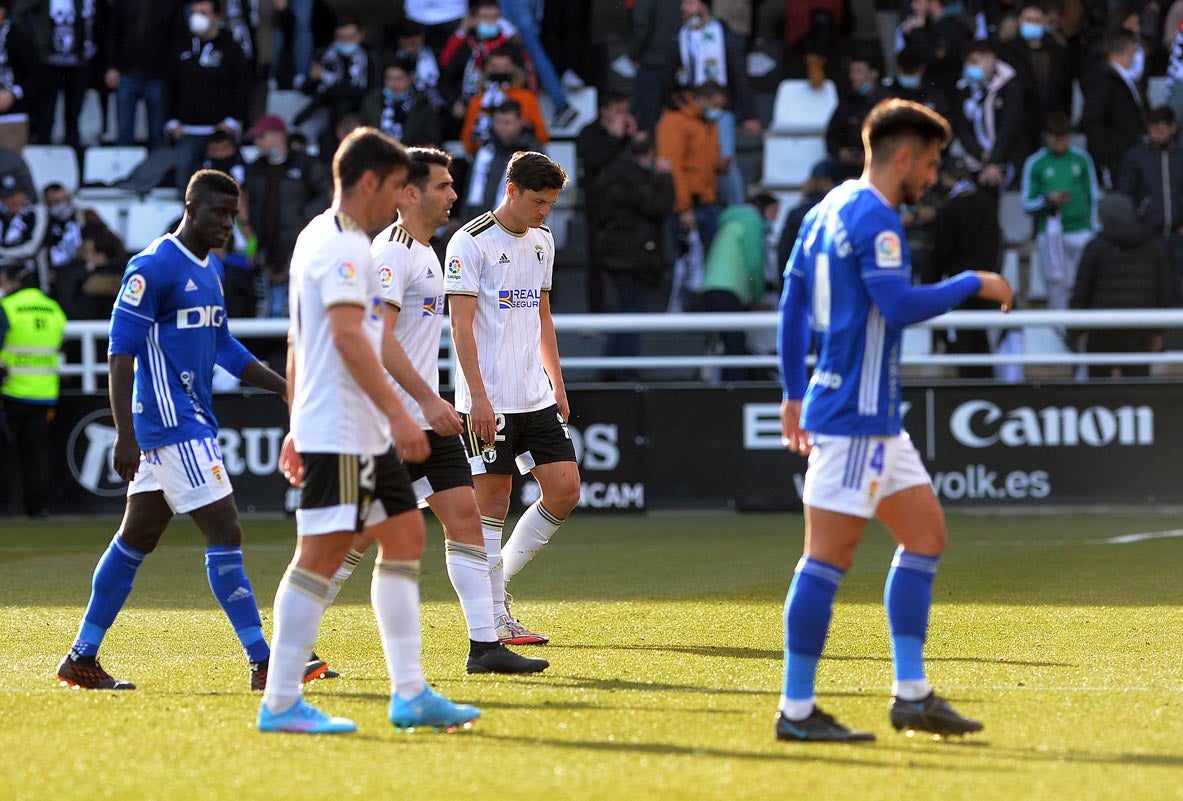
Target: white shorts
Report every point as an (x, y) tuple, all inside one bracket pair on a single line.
[(850, 475), (190, 474)]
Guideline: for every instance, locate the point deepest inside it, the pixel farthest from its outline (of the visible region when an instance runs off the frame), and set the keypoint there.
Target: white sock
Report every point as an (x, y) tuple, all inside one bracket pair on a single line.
[(468, 568), (342, 575), (797, 710), (394, 593), (299, 606), (534, 529), (911, 689), (491, 528)]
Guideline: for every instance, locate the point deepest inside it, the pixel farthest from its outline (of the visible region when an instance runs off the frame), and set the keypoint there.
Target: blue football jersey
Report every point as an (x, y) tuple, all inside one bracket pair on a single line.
[(853, 237), (171, 315)]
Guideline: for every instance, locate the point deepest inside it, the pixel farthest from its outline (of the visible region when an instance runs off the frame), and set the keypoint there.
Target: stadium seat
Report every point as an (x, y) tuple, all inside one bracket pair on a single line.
[(916, 342), (787, 202), (583, 101), (1156, 91), (557, 221), (788, 160), (1017, 228), (112, 211), (106, 166), (801, 110), (563, 153), (90, 119), (149, 219), (52, 164), (286, 104)]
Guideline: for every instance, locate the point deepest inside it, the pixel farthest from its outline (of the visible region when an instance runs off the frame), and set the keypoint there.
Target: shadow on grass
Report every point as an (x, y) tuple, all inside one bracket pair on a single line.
[(1061, 755)]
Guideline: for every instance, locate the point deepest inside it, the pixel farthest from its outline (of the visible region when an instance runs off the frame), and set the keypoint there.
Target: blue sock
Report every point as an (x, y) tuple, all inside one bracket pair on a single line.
[(228, 581), (907, 595), (109, 588), (808, 608)]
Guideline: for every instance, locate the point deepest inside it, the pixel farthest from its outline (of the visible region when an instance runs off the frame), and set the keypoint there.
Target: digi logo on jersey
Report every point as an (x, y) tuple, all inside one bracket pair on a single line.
[(201, 317), (518, 298), (433, 305)]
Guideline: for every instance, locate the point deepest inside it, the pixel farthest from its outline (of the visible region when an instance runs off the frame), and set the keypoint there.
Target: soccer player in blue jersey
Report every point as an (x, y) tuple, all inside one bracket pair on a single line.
[(849, 289), (168, 330)]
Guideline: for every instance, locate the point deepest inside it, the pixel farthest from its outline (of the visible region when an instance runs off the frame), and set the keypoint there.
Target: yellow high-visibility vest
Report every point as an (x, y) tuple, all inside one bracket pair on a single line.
[(32, 346)]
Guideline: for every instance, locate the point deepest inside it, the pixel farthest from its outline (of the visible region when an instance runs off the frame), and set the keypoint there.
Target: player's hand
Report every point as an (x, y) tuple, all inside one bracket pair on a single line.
[(290, 463), (564, 404), (752, 127), (441, 417), (126, 455), (483, 421), (995, 287), (409, 439), (791, 435)]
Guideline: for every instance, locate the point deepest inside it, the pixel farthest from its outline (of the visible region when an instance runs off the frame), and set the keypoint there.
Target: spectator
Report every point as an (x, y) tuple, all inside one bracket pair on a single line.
[(105, 257), (1043, 68), (1174, 81), (1152, 178), (734, 276), (439, 18), (503, 81), (64, 37), (285, 190), (965, 235), (844, 133), (629, 202), (1060, 189), (524, 16), (18, 70), (910, 83), (688, 138), (22, 226), (63, 246), (991, 126), (208, 88), (653, 50), (13, 164), (31, 331), (341, 75), (141, 36), (940, 31), (709, 51), (297, 15), (486, 186), (1123, 267), (1114, 118), (410, 46), (464, 56), (400, 110), (221, 153), (813, 27)]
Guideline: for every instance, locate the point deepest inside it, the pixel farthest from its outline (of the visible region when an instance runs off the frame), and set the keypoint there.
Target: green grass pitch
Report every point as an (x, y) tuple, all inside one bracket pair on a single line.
[(666, 668)]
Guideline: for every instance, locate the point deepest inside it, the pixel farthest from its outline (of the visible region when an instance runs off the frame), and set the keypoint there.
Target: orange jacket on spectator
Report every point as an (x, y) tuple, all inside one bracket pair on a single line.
[(531, 115), (691, 144)]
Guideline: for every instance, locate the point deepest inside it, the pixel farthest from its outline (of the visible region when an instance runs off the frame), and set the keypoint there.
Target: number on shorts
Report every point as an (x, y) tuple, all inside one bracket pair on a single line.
[(877, 458), (212, 451), (563, 423), (365, 472)]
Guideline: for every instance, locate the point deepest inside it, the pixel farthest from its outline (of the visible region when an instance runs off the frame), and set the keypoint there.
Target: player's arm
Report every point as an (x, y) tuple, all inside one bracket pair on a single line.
[(462, 313), (793, 338), (291, 465), (133, 315), (550, 355), (121, 378), (439, 413), (349, 338), (233, 357)]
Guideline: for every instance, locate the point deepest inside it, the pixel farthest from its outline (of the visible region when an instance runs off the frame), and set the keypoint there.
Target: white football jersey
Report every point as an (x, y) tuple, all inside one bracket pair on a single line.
[(507, 274), (410, 279), (331, 266)]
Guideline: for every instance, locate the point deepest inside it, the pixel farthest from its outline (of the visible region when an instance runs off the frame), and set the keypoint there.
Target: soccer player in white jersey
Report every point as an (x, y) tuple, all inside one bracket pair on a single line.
[(509, 385), (168, 329), (339, 451), (412, 285), (848, 287)]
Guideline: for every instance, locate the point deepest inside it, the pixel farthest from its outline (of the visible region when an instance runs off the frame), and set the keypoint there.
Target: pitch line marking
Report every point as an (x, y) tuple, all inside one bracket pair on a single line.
[(1126, 539)]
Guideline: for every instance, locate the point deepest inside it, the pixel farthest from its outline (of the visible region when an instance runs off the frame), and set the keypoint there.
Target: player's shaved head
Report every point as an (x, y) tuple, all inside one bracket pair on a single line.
[(367, 149), (206, 184), (894, 122)]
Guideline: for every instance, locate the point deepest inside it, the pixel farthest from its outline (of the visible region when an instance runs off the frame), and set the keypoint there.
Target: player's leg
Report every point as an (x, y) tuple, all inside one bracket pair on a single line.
[(144, 520), (836, 513), (361, 544), (913, 516)]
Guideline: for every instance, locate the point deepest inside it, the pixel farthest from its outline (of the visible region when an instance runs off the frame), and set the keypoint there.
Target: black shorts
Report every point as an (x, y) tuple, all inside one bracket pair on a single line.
[(525, 438), (347, 492), (446, 468)]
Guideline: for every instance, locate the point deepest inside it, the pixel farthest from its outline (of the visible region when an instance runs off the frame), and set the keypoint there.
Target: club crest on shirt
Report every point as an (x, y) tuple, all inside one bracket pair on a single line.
[(346, 272), (133, 293), (888, 252), (538, 251), (385, 276), (454, 270)]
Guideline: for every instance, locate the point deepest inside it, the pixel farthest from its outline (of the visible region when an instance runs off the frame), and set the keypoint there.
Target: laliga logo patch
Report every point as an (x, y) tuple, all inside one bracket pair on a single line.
[(888, 252), (385, 276), (133, 293), (346, 272), (538, 251), (454, 270)]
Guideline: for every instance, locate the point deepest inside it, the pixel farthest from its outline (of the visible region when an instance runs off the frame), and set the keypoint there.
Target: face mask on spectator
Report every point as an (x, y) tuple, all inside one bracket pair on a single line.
[(393, 96), (200, 24), (1030, 31), (864, 88), (1138, 65), (499, 77), (62, 211), (712, 114), (347, 48), (974, 74), (487, 30), (908, 81), (275, 156)]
